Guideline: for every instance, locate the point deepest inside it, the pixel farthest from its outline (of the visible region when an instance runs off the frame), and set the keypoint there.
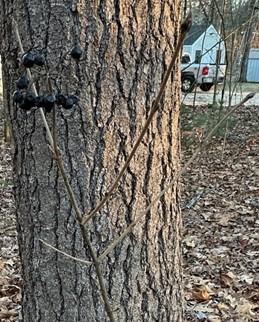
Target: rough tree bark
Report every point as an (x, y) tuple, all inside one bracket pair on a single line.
[(126, 51)]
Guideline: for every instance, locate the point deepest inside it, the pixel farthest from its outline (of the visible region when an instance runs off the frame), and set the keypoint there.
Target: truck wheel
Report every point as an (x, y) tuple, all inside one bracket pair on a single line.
[(188, 83), (206, 87)]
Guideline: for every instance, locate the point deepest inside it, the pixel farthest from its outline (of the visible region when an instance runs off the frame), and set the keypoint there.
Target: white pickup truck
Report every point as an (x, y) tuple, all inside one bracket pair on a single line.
[(202, 75)]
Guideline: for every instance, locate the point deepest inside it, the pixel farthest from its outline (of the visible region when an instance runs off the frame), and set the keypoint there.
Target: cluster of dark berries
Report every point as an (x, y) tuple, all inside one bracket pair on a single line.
[(27, 101), (66, 101), (29, 59), (24, 100)]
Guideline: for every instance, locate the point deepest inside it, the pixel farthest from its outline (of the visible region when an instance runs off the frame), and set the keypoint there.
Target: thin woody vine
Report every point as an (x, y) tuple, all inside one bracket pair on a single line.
[(26, 98)]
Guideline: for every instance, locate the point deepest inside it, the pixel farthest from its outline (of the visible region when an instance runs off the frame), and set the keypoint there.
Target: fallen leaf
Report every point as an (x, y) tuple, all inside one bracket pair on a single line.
[(254, 297), (214, 318), (223, 307), (225, 219), (2, 265), (245, 309), (190, 242), (246, 278), (202, 293), (227, 279), (5, 314)]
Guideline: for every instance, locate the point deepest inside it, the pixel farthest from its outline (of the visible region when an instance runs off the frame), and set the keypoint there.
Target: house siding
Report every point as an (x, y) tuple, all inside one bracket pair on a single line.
[(207, 40), (253, 66), (187, 49)]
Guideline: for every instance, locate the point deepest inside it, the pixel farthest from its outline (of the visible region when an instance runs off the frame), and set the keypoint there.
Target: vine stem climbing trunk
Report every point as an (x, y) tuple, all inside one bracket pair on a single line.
[(127, 48)]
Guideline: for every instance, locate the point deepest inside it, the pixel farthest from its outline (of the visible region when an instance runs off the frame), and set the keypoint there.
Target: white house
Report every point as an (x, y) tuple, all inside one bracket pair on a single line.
[(203, 38)]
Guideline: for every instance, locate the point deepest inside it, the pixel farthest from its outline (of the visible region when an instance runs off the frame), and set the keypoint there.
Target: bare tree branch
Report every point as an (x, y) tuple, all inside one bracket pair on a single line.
[(33, 85), (66, 254), (57, 157), (184, 30), (141, 215)]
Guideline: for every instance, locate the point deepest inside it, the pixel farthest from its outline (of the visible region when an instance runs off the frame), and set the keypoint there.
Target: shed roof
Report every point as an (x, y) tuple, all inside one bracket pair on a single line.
[(195, 32)]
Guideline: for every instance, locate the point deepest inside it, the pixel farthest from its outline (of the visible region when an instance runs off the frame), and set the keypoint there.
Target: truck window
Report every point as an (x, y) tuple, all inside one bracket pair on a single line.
[(186, 59), (197, 56)]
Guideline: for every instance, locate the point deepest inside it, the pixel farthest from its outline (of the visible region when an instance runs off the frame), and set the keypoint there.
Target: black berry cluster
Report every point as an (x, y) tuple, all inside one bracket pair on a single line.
[(29, 59), (26, 100)]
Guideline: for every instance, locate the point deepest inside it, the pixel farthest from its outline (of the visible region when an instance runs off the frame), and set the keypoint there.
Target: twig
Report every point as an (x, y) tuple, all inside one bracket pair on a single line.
[(57, 157), (33, 85), (114, 243), (6, 229), (194, 200), (84, 231), (186, 25), (66, 254), (96, 262), (59, 160), (224, 141)]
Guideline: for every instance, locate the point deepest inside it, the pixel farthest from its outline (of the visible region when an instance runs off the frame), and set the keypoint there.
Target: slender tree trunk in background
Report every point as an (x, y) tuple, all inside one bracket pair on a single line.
[(248, 38), (185, 8), (3, 111), (126, 52), (212, 12)]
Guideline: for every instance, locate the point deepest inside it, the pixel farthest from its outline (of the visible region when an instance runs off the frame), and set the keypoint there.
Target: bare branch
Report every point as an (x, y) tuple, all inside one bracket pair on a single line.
[(66, 254), (141, 215), (184, 29), (33, 85), (57, 157)]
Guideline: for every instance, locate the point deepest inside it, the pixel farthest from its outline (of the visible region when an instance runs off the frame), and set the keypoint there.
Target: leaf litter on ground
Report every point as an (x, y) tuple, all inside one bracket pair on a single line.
[(221, 242), (220, 206)]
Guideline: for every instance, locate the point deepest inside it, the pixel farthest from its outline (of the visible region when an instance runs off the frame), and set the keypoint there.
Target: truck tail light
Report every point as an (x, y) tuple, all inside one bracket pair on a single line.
[(205, 70)]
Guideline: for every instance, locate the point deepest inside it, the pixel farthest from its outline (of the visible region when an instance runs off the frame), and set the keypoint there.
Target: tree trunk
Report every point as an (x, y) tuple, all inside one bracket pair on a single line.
[(247, 41), (126, 51)]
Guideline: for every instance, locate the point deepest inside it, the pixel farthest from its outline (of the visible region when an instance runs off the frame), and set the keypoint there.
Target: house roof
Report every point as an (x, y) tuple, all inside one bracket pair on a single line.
[(195, 32)]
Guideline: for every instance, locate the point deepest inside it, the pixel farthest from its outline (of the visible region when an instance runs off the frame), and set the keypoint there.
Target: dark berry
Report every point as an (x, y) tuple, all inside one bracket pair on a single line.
[(68, 104), (49, 102), (61, 99), (39, 60), (18, 97), (28, 60), (22, 82), (76, 52), (74, 98), (25, 107), (39, 101), (29, 100)]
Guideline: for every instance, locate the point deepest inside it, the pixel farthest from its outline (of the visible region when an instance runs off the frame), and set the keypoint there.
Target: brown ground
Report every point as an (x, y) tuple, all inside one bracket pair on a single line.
[(221, 227)]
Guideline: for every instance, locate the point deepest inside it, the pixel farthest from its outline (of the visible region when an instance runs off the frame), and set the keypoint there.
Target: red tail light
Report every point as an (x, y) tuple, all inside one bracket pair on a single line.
[(205, 70)]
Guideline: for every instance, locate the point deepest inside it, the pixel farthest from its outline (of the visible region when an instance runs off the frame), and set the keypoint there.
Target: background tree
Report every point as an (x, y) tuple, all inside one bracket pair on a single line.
[(127, 47), (252, 25)]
